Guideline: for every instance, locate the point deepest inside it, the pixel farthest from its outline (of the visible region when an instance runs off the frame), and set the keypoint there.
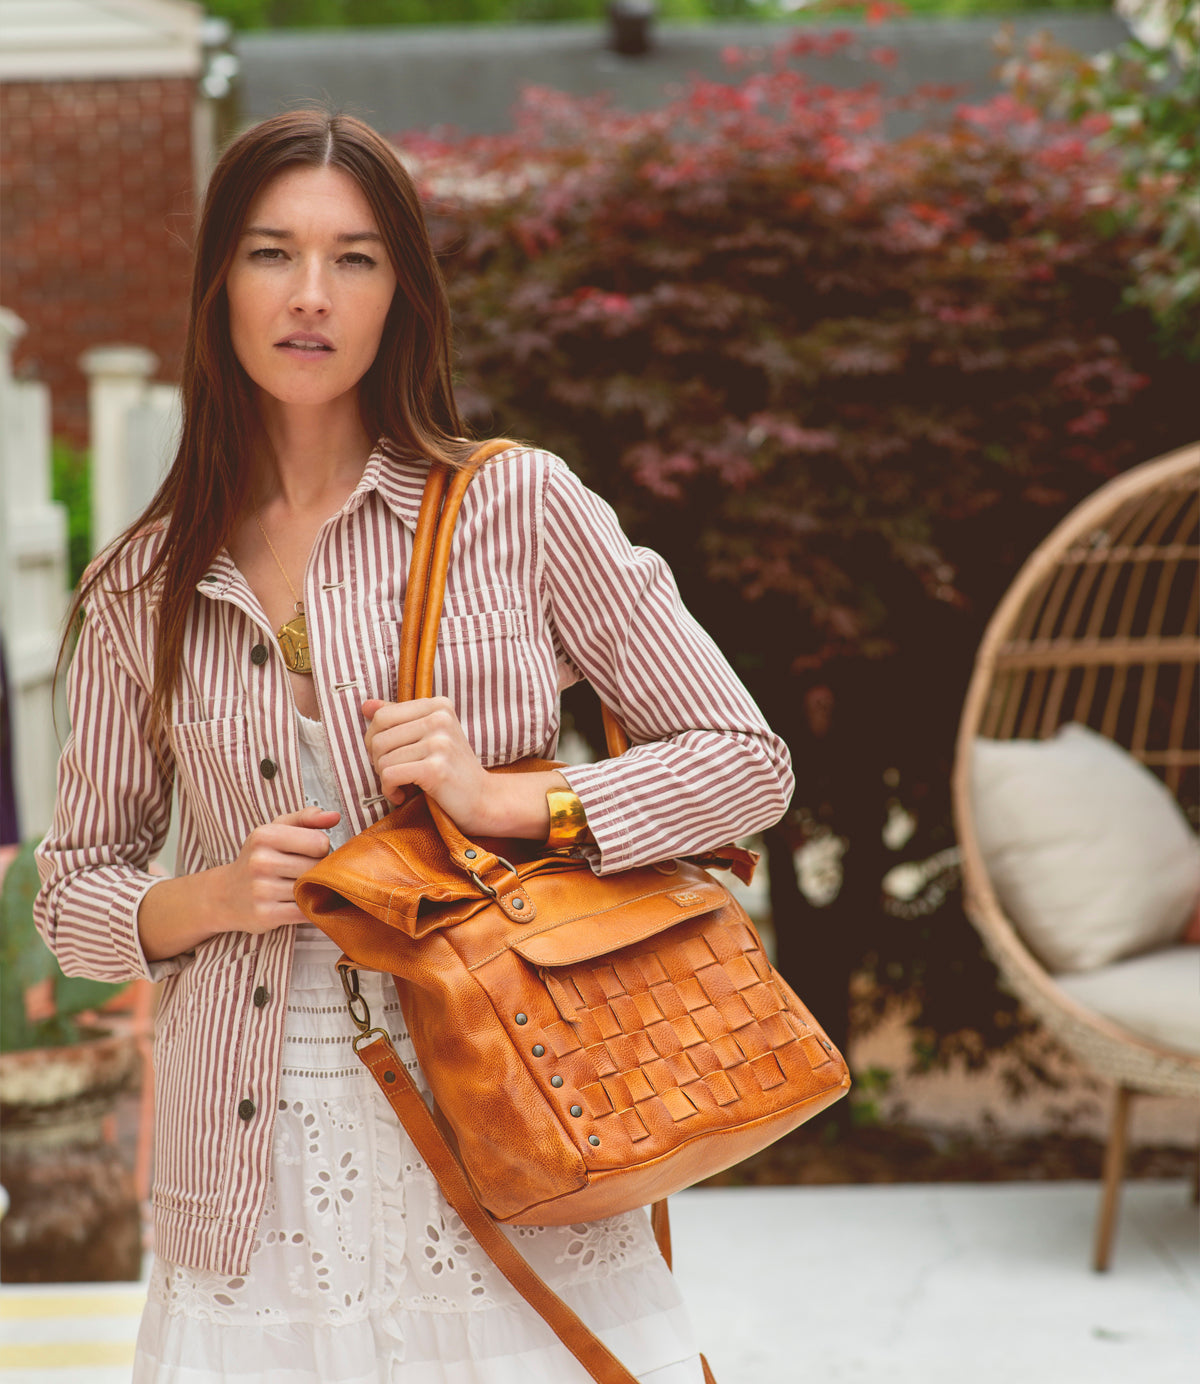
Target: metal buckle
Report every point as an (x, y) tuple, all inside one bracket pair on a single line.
[(368, 1035), (487, 888)]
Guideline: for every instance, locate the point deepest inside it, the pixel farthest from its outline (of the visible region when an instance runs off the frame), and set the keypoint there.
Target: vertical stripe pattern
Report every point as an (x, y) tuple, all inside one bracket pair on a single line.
[(543, 589)]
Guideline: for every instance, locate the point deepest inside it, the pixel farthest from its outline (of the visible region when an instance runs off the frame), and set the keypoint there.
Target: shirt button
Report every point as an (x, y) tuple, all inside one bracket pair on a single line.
[(268, 768), (246, 1110), (261, 996), (258, 655)]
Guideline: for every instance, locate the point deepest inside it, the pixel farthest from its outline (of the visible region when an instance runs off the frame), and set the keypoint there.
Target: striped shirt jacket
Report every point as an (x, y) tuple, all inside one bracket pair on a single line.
[(543, 589)]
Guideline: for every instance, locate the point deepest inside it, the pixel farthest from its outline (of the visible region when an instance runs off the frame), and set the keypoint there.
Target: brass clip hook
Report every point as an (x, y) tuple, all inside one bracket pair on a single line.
[(360, 1012)]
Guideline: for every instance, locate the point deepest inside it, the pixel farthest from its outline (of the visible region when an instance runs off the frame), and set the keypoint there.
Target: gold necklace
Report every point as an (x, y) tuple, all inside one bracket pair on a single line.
[(292, 635)]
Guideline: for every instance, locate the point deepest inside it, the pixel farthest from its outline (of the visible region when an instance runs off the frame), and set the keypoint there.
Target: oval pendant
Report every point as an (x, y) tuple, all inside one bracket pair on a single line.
[(293, 642)]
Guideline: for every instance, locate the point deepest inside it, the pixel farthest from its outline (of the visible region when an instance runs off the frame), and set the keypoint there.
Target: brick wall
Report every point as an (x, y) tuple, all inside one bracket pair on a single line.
[(97, 229)]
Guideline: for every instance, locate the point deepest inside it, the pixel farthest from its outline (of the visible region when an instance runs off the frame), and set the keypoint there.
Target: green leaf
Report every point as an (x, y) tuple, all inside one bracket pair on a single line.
[(25, 961)]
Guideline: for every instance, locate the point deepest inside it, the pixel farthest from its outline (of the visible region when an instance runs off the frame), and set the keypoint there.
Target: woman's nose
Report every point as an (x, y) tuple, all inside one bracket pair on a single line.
[(310, 291)]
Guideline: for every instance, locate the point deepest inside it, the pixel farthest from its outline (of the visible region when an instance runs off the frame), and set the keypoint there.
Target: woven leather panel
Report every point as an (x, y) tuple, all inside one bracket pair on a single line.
[(681, 1023)]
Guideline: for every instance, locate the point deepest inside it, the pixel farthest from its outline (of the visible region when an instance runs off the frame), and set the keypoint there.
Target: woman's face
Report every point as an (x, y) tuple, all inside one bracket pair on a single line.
[(309, 287)]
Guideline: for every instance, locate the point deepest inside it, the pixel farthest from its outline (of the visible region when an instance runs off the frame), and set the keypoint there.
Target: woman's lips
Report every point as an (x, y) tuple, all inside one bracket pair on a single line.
[(304, 347)]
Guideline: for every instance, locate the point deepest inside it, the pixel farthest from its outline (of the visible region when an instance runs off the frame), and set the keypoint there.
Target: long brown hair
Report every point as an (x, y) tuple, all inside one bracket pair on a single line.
[(406, 397)]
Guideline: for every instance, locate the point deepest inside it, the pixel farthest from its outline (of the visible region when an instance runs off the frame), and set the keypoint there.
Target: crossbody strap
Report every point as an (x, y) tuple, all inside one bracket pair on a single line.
[(403, 1096)]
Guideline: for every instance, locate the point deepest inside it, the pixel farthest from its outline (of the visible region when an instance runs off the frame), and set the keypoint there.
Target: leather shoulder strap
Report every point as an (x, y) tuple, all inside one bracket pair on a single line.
[(418, 580), (426, 590)]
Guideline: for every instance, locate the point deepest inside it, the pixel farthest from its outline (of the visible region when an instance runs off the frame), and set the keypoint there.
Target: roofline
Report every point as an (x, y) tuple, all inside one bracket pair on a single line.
[(160, 38)]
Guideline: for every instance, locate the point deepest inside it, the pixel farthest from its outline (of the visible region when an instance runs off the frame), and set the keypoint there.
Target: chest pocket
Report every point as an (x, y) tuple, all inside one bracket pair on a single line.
[(216, 783), (491, 664)]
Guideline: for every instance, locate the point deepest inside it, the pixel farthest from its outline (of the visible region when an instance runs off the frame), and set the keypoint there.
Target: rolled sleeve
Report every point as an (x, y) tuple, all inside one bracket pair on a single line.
[(704, 767), (111, 818)]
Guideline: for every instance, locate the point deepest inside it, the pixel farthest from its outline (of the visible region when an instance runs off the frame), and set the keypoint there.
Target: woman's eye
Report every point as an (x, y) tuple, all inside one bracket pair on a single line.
[(268, 252), (355, 257)]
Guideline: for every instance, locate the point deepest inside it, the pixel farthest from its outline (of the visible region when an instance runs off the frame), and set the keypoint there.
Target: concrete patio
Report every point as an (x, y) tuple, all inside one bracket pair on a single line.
[(921, 1284)]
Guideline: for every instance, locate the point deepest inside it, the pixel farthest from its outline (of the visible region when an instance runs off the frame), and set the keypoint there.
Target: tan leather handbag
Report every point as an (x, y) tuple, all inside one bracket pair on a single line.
[(592, 1043)]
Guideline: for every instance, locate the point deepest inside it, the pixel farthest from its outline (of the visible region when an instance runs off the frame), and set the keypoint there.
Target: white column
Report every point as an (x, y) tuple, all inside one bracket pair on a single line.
[(118, 382)]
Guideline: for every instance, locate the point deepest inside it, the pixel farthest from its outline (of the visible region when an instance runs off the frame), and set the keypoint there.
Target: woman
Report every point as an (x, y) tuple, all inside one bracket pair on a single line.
[(237, 647)]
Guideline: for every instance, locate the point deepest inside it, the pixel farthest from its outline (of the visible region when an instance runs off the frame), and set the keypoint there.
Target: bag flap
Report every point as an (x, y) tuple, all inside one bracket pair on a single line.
[(637, 904), (392, 871)]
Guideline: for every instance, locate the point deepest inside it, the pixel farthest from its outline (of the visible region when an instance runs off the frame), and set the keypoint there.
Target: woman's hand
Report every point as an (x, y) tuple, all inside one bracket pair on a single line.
[(257, 887), (421, 743), (253, 894)]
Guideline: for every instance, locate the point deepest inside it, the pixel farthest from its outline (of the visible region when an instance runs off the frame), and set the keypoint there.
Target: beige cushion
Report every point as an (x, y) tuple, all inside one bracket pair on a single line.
[(1089, 854), (1156, 996)]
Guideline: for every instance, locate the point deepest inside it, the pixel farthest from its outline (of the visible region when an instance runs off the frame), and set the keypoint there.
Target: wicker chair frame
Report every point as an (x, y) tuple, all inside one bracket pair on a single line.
[(1101, 626)]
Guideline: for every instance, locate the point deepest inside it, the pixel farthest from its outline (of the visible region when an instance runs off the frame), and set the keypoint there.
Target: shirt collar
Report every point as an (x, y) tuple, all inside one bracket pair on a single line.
[(399, 481), (221, 575)]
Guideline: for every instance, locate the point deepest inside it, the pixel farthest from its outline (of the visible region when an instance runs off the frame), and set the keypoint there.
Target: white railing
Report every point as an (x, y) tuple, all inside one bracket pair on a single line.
[(133, 424), (33, 581)]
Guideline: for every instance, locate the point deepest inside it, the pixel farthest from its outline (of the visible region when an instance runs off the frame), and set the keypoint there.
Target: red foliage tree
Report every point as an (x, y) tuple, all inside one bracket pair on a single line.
[(844, 383)]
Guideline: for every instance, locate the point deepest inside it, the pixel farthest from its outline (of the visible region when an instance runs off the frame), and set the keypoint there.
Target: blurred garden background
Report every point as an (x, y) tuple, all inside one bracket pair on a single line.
[(843, 308)]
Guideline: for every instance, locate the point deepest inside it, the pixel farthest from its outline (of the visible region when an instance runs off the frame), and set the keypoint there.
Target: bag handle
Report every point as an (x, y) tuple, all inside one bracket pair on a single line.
[(423, 598), (440, 502)]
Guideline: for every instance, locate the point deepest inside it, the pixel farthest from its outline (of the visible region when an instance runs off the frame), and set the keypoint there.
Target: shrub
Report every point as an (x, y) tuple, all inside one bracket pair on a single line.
[(328, 14), (844, 384), (1141, 101), (71, 474)]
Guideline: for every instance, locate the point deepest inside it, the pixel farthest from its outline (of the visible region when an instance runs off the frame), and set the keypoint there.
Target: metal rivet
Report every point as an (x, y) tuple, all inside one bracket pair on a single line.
[(594, 1140), (556, 1081), (538, 1050), (522, 1018), (389, 1076), (470, 854), (518, 903), (258, 655), (577, 1110), (268, 768)]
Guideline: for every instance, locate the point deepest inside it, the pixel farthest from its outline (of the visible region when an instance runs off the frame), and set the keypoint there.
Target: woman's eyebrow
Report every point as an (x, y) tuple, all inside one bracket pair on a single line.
[(345, 238)]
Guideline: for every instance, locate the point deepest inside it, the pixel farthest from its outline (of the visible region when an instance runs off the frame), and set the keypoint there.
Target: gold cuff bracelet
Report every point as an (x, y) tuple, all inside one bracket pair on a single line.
[(568, 822)]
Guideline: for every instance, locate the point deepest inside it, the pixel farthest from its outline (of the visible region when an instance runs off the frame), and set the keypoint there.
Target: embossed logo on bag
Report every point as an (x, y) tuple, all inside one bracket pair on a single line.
[(684, 900)]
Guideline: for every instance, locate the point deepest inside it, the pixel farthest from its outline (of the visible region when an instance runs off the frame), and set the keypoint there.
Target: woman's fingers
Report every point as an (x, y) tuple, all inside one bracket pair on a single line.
[(318, 817), (391, 724), (410, 732), (422, 743), (302, 839), (287, 866), (272, 858)]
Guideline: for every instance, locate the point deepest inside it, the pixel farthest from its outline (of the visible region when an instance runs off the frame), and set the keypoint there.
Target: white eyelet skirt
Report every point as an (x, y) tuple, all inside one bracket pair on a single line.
[(362, 1274)]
